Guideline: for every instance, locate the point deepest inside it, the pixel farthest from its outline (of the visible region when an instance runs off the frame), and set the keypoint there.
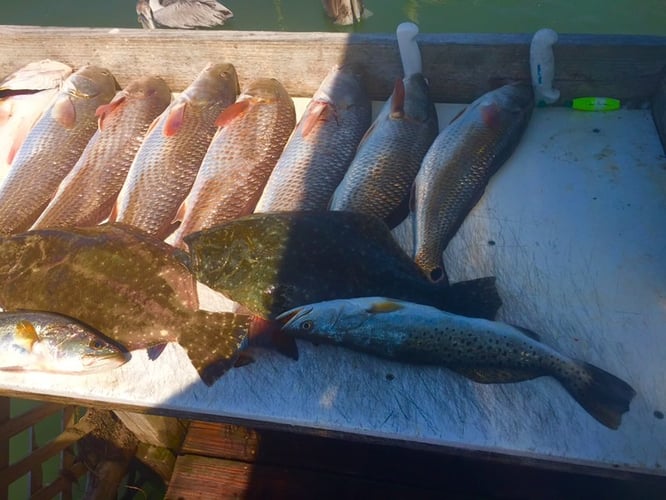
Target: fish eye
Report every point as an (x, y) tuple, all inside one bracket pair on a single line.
[(96, 344), (306, 325)]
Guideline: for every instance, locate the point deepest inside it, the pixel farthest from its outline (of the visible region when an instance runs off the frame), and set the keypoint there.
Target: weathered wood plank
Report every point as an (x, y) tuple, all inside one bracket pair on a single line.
[(460, 66)]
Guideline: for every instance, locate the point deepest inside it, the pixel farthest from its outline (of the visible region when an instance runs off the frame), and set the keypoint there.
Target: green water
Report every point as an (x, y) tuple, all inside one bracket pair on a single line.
[(454, 16)]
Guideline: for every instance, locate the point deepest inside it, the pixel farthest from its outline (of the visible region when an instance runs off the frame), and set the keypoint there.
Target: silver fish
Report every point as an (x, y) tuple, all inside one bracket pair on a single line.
[(459, 164), (485, 351), (322, 146), (49, 342)]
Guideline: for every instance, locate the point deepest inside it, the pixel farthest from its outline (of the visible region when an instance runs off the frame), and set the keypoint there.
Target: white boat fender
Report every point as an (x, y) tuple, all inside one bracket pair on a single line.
[(542, 66), (410, 54)]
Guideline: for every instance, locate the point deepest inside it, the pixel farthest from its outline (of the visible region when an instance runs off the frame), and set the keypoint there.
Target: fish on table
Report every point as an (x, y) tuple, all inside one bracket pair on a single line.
[(49, 342), (457, 167), (346, 12), (484, 351), (169, 158), (134, 288), (86, 195), (271, 262), (52, 147), (380, 177), (24, 95), (251, 136), (322, 146)]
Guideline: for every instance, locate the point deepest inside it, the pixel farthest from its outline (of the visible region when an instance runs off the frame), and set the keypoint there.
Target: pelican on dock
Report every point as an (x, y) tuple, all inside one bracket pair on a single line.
[(186, 14), (345, 12)]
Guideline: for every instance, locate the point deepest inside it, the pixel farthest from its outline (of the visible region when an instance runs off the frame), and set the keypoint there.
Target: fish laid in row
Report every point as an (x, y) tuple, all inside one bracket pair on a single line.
[(130, 286), (87, 194), (251, 136), (52, 147), (48, 342), (169, 158), (318, 153), (484, 351), (380, 178), (24, 95), (457, 167), (275, 261)]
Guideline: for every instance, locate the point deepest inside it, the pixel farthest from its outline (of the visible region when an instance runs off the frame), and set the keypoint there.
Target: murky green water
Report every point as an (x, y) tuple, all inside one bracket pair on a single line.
[(455, 16)]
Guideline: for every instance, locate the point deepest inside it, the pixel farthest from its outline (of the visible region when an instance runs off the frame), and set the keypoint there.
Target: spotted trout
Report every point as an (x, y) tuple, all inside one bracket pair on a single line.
[(52, 147), (318, 153), (169, 158), (252, 134), (457, 167), (380, 177), (24, 95), (48, 342), (86, 195), (484, 351), (271, 262), (123, 282)]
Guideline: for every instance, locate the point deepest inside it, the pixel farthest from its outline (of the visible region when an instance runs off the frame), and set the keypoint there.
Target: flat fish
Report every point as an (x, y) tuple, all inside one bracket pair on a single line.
[(251, 136), (318, 153), (484, 351), (169, 158), (380, 178), (457, 167), (48, 342), (271, 262), (123, 282), (86, 195), (52, 147)]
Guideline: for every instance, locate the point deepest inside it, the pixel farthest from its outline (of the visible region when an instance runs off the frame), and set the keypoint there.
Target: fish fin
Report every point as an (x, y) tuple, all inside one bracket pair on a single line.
[(231, 112), (17, 368), (458, 115), (317, 111), (215, 342), (106, 109), (64, 112), (477, 298), (26, 334), (113, 216), (398, 100), (490, 114), (529, 333), (603, 395), (153, 124), (154, 351), (491, 375), (180, 214), (174, 119), (16, 145), (268, 333), (244, 359), (385, 306)]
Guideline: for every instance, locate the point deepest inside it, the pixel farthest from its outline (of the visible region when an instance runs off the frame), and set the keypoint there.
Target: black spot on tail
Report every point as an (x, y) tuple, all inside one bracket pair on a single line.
[(476, 298)]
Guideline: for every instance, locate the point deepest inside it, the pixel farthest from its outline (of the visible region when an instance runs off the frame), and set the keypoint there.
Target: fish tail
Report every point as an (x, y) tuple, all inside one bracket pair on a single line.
[(477, 298), (602, 395), (216, 342)]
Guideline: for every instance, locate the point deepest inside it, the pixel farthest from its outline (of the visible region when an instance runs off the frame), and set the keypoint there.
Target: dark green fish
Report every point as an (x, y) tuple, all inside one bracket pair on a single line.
[(271, 262), (485, 351), (131, 287)]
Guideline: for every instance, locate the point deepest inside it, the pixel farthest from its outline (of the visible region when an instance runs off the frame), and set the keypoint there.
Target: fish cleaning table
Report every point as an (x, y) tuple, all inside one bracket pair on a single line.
[(571, 226)]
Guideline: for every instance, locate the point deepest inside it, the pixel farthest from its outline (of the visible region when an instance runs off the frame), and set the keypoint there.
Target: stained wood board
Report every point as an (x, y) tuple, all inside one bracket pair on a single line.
[(572, 226)]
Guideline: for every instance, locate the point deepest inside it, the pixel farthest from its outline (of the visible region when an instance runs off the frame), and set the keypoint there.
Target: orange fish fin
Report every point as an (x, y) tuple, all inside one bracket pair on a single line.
[(230, 113), (64, 112), (174, 119), (25, 335), (113, 216), (106, 109), (385, 306), (317, 111), (490, 114), (180, 214), (398, 99)]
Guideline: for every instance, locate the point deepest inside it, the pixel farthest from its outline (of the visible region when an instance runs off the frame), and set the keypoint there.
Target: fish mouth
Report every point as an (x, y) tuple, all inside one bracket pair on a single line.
[(288, 318)]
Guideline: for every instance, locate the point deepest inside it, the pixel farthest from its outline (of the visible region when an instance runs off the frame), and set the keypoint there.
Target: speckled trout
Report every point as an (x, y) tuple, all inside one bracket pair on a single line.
[(322, 146), (251, 136), (86, 195), (52, 147), (484, 351), (169, 158), (48, 342), (457, 167), (130, 286)]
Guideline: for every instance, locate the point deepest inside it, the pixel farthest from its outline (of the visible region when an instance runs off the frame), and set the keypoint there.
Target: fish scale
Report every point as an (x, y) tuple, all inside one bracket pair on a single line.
[(169, 158)]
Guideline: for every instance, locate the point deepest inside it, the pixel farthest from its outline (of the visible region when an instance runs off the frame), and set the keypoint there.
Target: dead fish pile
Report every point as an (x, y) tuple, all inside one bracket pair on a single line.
[(484, 351), (48, 342), (124, 283), (52, 147)]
